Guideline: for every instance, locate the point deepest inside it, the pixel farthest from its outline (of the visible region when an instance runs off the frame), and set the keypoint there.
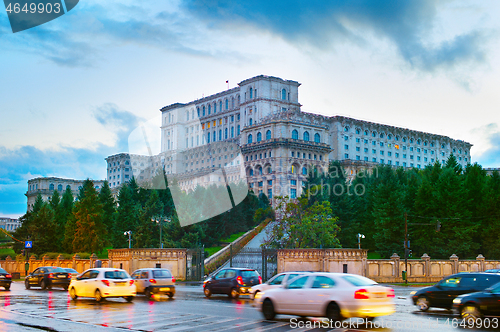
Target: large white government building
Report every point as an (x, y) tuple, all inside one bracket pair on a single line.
[(256, 132)]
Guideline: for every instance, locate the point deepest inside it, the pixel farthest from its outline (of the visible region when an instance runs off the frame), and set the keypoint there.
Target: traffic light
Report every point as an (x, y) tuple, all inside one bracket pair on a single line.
[(438, 226), (408, 252), (23, 252)]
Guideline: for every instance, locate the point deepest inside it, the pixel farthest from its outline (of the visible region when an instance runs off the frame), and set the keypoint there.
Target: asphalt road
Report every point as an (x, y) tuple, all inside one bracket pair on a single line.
[(35, 310)]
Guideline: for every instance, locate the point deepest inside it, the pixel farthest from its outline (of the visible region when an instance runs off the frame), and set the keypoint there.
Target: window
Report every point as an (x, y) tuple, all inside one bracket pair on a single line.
[(450, 282), (225, 133), (346, 147), (304, 170), (208, 137), (250, 139), (232, 131), (381, 144), (283, 94), (365, 150), (346, 138), (259, 137), (293, 193), (358, 158), (238, 130), (251, 172), (323, 282), (260, 184), (295, 134), (293, 182), (268, 134), (374, 143), (358, 131), (306, 136), (317, 138), (209, 109), (59, 187), (374, 134), (187, 116), (203, 113), (269, 193), (51, 186), (346, 156), (227, 104), (358, 148), (381, 135), (250, 122), (366, 132)]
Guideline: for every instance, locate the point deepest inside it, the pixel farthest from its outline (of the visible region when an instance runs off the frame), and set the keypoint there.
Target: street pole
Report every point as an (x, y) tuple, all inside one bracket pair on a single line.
[(161, 242), (406, 248)]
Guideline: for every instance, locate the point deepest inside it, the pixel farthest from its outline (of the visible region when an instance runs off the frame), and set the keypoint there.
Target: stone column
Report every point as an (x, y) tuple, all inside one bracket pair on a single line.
[(75, 257), (481, 259), (427, 264), (454, 259), (395, 258), (93, 258)]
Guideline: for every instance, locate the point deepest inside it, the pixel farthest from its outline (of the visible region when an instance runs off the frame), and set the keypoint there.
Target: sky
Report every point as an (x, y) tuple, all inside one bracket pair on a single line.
[(73, 89)]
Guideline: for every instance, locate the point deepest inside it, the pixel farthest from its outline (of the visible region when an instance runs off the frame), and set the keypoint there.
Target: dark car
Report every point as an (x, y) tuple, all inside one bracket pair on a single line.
[(231, 281), (442, 294), (48, 277), (476, 305), (5, 279)]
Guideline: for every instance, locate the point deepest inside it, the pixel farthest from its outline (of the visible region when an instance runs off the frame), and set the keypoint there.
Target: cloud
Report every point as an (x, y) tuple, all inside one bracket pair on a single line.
[(407, 24), (79, 37), (19, 165)]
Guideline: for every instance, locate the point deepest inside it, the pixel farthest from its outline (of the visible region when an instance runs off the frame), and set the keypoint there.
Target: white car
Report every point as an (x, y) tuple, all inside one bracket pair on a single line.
[(336, 296), (274, 282), (101, 283)]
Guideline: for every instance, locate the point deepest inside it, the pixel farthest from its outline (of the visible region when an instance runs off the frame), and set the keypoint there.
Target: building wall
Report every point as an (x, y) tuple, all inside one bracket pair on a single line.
[(9, 224), (202, 136), (47, 185)]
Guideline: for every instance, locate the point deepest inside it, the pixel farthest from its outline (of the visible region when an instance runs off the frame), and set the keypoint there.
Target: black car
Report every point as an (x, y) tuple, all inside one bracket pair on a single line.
[(479, 304), (48, 277), (5, 279), (231, 281), (442, 294)]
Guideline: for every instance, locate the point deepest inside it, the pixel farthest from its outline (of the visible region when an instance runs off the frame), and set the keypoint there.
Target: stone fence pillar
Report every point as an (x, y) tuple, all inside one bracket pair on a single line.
[(481, 259), (427, 264), (454, 259), (75, 257), (396, 259), (93, 258)]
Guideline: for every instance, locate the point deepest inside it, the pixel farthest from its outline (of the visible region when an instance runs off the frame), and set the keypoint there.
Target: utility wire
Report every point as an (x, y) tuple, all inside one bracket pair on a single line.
[(10, 235)]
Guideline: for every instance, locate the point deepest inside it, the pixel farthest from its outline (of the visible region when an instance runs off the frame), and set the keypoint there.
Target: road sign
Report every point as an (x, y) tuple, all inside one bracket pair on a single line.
[(28, 244)]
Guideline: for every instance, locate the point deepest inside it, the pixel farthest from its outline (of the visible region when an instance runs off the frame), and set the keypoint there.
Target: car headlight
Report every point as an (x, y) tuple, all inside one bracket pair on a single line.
[(413, 293), (457, 300), (259, 295)]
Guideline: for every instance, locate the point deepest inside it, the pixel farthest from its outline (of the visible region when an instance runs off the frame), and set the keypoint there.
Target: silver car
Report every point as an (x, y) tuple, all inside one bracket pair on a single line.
[(153, 281), (275, 282)]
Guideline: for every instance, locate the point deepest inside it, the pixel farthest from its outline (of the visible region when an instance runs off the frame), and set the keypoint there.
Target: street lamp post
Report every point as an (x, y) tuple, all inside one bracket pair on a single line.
[(159, 222), (360, 236), (129, 233)]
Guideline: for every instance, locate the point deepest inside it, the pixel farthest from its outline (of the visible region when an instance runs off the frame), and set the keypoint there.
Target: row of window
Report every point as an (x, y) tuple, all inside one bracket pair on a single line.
[(259, 156), (305, 136), (395, 137), (389, 162)]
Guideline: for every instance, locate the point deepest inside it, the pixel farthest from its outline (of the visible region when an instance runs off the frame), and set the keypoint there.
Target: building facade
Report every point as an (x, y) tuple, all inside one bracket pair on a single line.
[(46, 186), (257, 132), (9, 224)]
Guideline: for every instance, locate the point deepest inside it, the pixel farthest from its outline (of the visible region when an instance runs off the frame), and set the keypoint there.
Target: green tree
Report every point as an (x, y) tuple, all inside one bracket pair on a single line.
[(90, 232), (109, 206), (43, 231)]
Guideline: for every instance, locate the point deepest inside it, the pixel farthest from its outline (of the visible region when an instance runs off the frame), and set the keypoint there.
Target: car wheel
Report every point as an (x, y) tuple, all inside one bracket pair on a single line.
[(170, 295), (27, 284), (207, 292), (97, 295), (7, 288), (72, 293), (333, 312), (43, 285), (148, 294), (234, 294), (423, 303), (129, 298), (268, 309), (65, 287), (470, 312)]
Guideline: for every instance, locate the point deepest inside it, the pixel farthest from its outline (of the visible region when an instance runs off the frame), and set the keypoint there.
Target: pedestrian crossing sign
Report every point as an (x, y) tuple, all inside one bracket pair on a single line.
[(28, 244)]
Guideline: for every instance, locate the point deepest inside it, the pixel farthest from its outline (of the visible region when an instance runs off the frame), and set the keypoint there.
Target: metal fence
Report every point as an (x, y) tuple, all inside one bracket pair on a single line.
[(263, 260)]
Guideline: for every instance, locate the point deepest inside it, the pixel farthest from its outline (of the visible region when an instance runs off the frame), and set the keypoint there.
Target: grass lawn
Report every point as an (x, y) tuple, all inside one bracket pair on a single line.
[(232, 237), (213, 250), (415, 284)]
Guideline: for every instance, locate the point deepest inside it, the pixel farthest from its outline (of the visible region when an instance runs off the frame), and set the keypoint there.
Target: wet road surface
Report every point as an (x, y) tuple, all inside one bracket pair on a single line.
[(189, 310)]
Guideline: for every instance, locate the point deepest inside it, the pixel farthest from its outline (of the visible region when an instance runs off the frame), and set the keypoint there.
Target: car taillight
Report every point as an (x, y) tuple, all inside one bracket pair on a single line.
[(153, 281), (239, 280), (131, 282), (8, 276), (69, 275), (361, 294), (260, 280), (173, 280), (51, 275), (390, 293), (105, 282)]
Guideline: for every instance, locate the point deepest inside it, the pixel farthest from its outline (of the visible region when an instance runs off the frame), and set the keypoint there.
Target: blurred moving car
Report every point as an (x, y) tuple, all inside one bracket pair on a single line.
[(441, 295), (5, 279), (231, 281), (474, 306), (492, 271), (336, 296), (274, 282), (154, 281), (48, 277), (102, 283), (73, 273)]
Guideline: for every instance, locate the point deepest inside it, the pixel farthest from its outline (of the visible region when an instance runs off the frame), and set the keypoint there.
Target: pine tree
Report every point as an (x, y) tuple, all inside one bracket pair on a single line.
[(43, 231), (90, 232), (109, 206)]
